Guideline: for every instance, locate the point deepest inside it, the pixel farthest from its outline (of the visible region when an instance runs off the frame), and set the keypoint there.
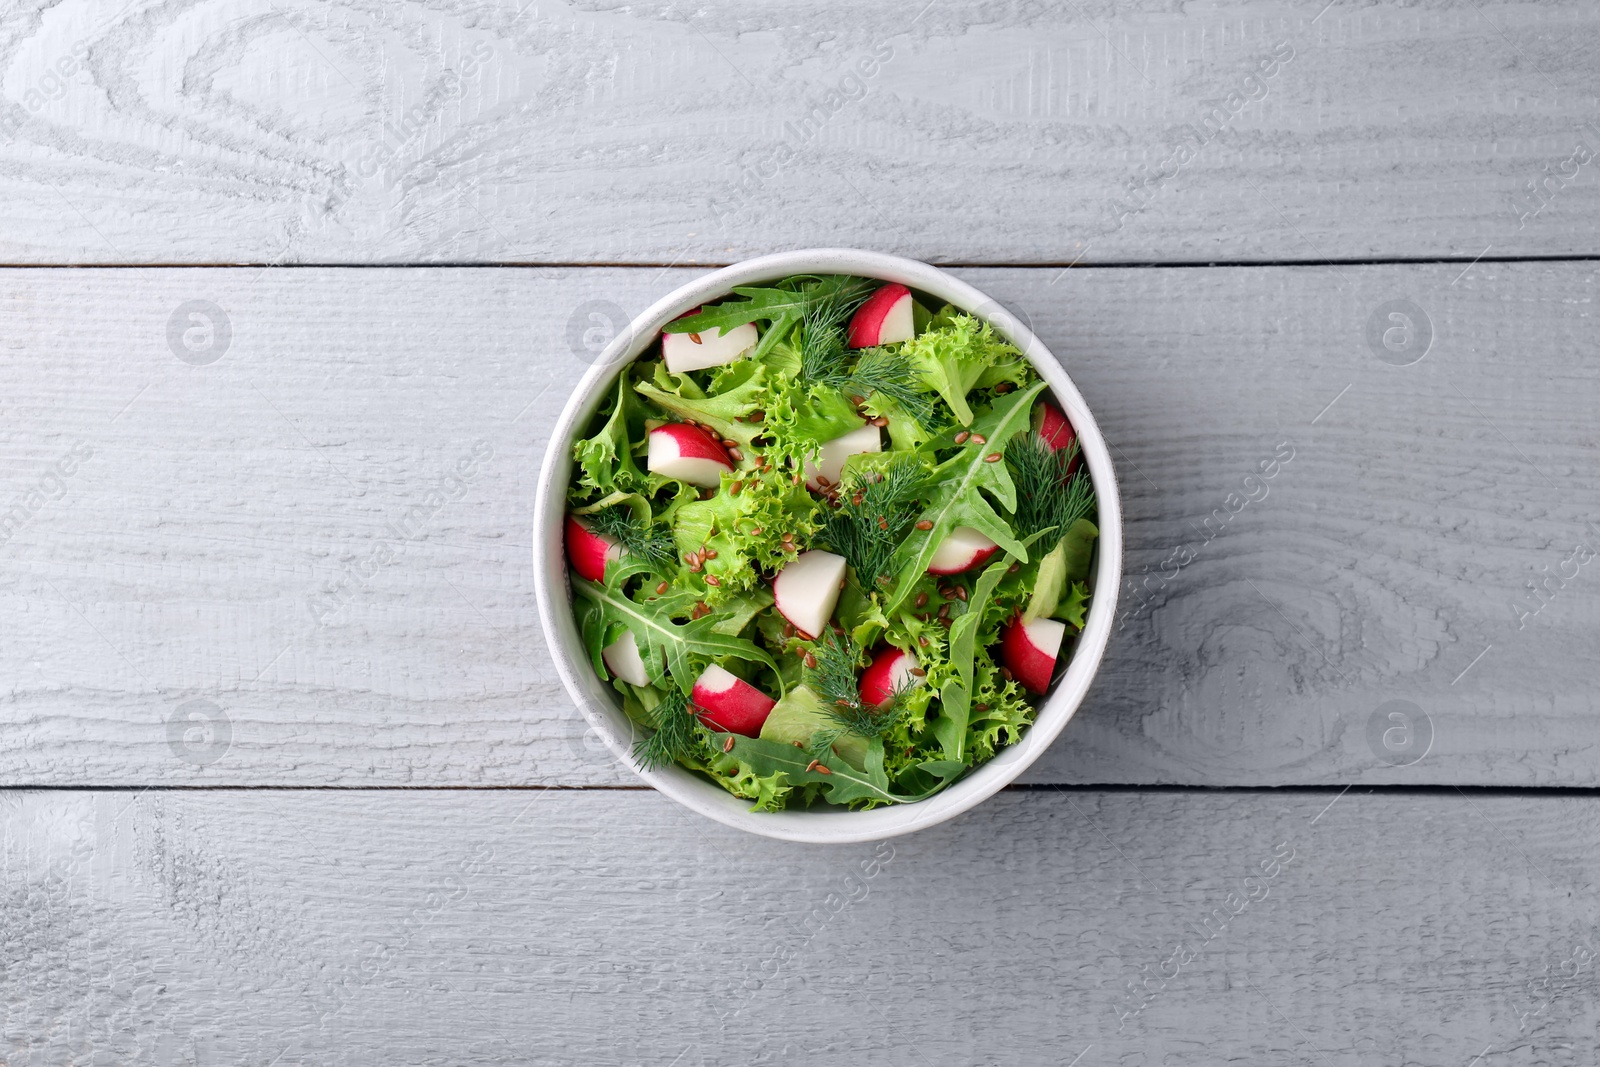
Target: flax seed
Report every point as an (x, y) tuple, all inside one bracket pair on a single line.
[(696, 339), (727, 746), (757, 415), (1004, 387), (961, 438), (711, 553), (883, 523), (1014, 568), (980, 707), (788, 629), (925, 524), (881, 421), (945, 622), (918, 672), (922, 600), (856, 499), (923, 641), (979, 439), (797, 479), (992, 457), (712, 579), (1005, 672), (736, 455), (823, 770), (700, 610), (944, 610), (756, 532), (733, 490), (961, 591), (811, 766), (662, 588), (811, 661)]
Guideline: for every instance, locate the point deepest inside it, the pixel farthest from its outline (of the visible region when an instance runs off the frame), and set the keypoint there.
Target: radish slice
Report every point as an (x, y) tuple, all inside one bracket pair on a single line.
[(623, 660), (830, 460), (963, 550), (728, 702), (887, 674), (1053, 426), (588, 551), (884, 319), (687, 453), (806, 591), (1029, 650), (708, 348)]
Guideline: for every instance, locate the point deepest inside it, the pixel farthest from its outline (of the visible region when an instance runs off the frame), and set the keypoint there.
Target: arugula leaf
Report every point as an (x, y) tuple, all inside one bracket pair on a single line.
[(685, 647), (956, 497), (841, 783), (955, 696), (771, 304)]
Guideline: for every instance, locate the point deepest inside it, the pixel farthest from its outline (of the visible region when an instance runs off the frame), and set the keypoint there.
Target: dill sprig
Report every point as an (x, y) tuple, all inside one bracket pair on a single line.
[(875, 511), (822, 352), (648, 541), (673, 739), (824, 359), (892, 375), (835, 681), (1047, 494)]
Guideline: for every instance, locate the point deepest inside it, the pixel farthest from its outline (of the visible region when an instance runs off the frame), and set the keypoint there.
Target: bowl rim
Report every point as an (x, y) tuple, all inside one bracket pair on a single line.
[(598, 702)]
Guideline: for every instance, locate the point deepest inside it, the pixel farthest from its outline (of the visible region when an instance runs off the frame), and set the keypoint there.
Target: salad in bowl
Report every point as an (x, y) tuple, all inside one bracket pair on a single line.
[(830, 542)]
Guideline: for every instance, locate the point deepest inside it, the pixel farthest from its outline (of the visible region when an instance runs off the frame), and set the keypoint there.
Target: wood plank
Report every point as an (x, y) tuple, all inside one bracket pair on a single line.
[(191, 555), (551, 132), (614, 928)]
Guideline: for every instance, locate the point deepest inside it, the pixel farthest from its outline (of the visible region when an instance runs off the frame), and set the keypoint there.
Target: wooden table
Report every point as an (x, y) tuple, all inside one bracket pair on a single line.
[(273, 270)]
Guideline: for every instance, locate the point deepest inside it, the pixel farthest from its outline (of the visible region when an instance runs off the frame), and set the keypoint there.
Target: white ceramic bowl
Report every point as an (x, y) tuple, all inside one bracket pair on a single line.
[(599, 702)]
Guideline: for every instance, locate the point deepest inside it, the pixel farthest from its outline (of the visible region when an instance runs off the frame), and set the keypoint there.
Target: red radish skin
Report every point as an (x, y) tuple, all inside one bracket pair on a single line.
[(687, 453), (1029, 651), (888, 673), (588, 551), (727, 702), (1053, 427), (884, 319), (963, 550)]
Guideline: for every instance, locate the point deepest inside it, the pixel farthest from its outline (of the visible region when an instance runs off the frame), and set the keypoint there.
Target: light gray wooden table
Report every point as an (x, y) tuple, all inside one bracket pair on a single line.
[(272, 269)]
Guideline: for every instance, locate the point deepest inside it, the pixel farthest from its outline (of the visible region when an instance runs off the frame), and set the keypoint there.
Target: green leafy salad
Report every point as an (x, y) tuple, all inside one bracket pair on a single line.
[(829, 544)]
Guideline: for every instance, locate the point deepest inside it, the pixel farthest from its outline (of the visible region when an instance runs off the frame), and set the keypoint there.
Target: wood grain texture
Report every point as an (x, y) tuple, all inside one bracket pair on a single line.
[(257, 534), (614, 928), (176, 131)]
